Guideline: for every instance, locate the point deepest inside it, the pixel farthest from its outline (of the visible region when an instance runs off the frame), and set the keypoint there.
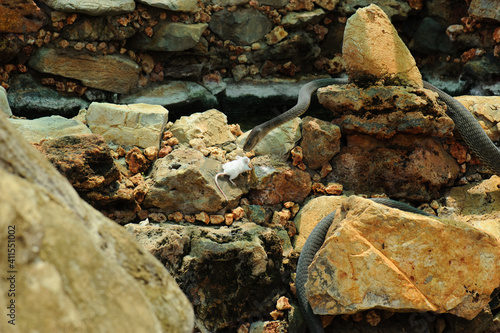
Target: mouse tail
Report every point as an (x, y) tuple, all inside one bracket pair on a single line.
[(217, 184)]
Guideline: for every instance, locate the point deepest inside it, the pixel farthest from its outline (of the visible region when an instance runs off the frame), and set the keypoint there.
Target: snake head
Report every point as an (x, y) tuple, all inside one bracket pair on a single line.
[(253, 139)]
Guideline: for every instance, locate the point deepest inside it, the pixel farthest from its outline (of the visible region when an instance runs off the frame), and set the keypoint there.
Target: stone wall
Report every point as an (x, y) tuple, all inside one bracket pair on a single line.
[(121, 50)]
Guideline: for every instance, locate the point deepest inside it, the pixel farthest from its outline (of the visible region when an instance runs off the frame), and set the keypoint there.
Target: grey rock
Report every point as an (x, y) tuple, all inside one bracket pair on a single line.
[(430, 38), (173, 5), (229, 273), (28, 98), (395, 9), (298, 18), (274, 3), (485, 9), (174, 94), (446, 12), (97, 29), (4, 103), (243, 26), (483, 68), (171, 36), (226, 3), (49, 128), (93, 7)]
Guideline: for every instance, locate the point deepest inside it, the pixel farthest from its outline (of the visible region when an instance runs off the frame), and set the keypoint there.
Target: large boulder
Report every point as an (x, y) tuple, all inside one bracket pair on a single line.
[(85, 272)]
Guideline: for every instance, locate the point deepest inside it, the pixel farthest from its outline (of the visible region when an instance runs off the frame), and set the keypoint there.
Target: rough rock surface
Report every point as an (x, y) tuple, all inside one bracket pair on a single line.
[(4, 103), (49, 128), (184, 181), (395, 166), (139, 125), (486, 109), (238, 269), (394, 9), (173, 5), (384, 111), (93, 7), (366, 61), (320, 142), (171, 36), (377, 257), (116, 73), (487, 9), (20, 16), (310, 215), (85, 272), (273, 182), (209, 126)]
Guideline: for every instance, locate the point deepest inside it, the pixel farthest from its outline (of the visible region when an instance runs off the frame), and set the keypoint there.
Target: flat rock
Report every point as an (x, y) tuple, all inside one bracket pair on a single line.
[(209, 126), (173, 5), (116, 73), (174, 94), (394, 9), (220, 269), (49, 128), (139, 125), (486, 109), (273, 181), (97, 28), (233, 25), (384, 111), (298, 18), (320, 141), (93, 7), (171, 36), (21, 16), (4, 103), (365, 59), (28, 98), (378, 257), (485, 9), (407, 166)]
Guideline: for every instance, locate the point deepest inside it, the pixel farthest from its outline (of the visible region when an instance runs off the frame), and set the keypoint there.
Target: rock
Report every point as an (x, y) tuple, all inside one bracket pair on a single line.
[(394, 9), (486, 109), (136, 161), (174, 94), (116, 73), (273, 182), (485, 9), (274, 326), (485, 66), (64, 246), (292, 19), (209, 126), (404, 262), (4, 103), (366, 61), (234, 25), (274, 3), (85, 160), (139, 125), (21, 16), (93, 8), (220, 269), (184, 181), (48, 128), (430, 38), (92, 28), (171, 36), (310, 215), (327, 4), (446, 12), (407, 166), (276, 35), (320, 142), (190, 6), (278, 142), (391, 110), (28, 98)]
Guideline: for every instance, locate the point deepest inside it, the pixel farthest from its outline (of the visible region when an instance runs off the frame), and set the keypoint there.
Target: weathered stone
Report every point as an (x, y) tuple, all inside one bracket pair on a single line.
[(274, 182), (20, 16), (97, 29), (116, 73), (296, 48), (486, 109), (139, 125), (4, 103), (274, 3), (136, 161), (327, 4), (235, 25), (366, 61), (310, 215), (86, 273), (184, 181), (49, 128), (485, 9), (430, 37), (85, 160), (394, 9), (406, 166), (174, 94), (171, 36), (276, 35), (28, 98), (93, 7), (297, 18), (378, 257), (320, 142), (220, 269), (173, 5), (209, 126), (446, 12)]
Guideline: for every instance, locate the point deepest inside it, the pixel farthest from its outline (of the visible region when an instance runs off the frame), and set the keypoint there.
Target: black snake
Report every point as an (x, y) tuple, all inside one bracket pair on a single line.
[(468, 127)]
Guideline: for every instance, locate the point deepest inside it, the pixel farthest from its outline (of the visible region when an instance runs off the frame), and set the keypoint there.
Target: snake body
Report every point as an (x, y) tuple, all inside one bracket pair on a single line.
[(468, 127)]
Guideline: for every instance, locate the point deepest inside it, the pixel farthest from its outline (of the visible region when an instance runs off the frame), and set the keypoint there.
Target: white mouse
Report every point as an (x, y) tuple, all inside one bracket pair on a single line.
[(233, 169)]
